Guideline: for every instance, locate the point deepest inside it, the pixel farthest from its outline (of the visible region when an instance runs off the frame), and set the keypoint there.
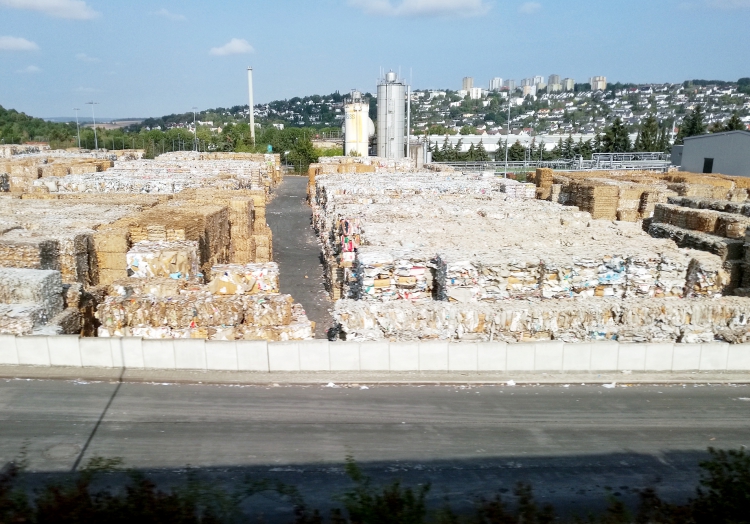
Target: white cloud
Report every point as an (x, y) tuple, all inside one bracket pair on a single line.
[(529, 8), (83, 57), (463, 8), (236, 46), (729, 4), (168, 14), (29, 70), (13, 43), (74, 9)]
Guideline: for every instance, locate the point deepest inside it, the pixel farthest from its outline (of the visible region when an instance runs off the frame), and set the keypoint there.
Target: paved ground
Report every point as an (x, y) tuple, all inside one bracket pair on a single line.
[(571, 442), (296, 250)]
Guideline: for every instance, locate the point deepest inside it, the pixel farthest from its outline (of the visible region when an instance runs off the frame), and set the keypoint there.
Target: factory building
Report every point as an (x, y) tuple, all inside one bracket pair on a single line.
[(726, 153)]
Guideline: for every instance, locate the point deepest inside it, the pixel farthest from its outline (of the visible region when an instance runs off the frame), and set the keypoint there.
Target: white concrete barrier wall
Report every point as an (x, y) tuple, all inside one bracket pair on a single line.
[(321, 355)]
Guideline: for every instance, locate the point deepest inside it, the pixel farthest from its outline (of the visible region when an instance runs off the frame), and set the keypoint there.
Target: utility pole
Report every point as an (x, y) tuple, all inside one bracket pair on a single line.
[(251, 103), (507, 138), (96, 140), (78, 129), (195, 132)]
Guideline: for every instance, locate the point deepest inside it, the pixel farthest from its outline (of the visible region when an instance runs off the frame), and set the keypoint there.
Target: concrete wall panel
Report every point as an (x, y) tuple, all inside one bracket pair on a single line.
[(686, 357), (252, 355), (404, 356), (8, 352), (632, 357), (96, 352), (738, 358), (604, 355), (158, 353), (433, 356), (65, 351), (190, 353), (221, 355), (492, 356), (344, 356), (131, 350), (283, 356), (548, 356), (32, 351), (313, 355), (520, 357), (577, 357), (659, 356), (714, 356), (463, 357), (374, 356)]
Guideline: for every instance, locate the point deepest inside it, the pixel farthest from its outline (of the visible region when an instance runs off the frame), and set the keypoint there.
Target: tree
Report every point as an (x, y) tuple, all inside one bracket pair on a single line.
[(692, 125), (481, 152), (648, 135), (471, 153), (500, 151), (568, 147), (734, 123), (616, 138), (468, 130), (517, 152)]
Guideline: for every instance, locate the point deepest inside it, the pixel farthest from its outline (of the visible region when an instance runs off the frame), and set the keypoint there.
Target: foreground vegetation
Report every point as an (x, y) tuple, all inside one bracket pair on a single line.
[(723, 497)]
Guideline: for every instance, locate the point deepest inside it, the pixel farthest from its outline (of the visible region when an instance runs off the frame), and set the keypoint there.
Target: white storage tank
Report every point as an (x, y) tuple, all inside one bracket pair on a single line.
[(358, 127), (391, 117)]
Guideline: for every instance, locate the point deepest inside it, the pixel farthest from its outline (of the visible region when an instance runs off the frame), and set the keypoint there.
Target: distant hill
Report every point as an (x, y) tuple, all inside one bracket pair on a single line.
[(16, 127)]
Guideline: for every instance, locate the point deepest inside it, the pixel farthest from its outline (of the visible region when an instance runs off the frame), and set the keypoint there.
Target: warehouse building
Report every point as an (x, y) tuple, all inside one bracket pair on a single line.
[(726, 153)]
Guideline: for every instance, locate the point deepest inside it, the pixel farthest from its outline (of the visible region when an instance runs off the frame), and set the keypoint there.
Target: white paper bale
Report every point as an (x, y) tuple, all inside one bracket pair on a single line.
[(178, 259)]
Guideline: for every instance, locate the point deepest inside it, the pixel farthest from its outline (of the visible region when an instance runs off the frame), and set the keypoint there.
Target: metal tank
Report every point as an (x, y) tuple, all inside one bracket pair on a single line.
[(391, 117), (358, 127)]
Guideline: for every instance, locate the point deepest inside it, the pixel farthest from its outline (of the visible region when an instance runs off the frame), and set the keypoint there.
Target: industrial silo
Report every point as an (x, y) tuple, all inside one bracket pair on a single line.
[(358, 127), (391, 117)]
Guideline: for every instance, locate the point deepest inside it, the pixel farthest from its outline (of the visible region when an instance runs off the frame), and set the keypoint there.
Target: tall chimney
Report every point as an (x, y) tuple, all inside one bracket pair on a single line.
[(252, 112)]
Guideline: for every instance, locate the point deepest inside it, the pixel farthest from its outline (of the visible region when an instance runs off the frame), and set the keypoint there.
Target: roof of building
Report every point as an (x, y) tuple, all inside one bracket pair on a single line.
[(723, 133)]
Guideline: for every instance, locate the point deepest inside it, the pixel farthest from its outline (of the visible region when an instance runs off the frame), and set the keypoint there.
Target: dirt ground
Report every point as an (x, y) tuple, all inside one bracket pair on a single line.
[(297, 251)]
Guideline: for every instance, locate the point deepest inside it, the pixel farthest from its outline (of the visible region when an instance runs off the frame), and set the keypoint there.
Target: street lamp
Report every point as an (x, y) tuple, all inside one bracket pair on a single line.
[(78, 129), (507, 138), (93, 117), (195, 131)]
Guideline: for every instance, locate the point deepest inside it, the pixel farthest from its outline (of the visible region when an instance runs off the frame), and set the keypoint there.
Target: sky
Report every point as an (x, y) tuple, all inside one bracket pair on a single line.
[(140, 58)]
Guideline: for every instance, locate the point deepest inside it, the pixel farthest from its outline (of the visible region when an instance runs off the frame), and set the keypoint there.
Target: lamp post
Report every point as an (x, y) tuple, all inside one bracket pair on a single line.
[(195, 132), (78, 129), (93, 117), (507, 139)]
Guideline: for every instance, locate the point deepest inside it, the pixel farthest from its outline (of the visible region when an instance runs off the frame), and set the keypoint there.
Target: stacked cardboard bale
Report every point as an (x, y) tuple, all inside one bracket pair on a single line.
[(111, 245), (629, 320), (599, 199), (241, 302), (173, 259), (32, 299)]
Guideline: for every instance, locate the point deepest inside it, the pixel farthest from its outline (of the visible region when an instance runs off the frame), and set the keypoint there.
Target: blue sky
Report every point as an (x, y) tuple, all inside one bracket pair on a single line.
[(148, 58)]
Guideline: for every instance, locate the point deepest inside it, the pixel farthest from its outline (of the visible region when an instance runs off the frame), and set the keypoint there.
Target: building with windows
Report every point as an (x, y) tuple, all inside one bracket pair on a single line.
[(569, 84), (496, 84), (467, 83), (598, 83), (510, 84), (553, 79)]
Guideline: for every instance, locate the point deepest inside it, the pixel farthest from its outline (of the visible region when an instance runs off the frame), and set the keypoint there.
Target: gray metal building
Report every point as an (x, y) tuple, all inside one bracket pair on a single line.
[(727, 153)]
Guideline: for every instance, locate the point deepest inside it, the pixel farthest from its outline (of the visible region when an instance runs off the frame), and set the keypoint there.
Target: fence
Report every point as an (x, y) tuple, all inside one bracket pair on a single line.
[(321, 355)]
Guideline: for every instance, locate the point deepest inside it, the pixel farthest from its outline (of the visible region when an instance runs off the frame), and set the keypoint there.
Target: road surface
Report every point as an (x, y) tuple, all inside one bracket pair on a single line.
[(297, 251), (572, 443)]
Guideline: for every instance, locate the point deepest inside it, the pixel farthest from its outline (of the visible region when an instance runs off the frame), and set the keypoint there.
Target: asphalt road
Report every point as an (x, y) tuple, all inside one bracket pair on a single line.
[(297, 251), (572, 443)]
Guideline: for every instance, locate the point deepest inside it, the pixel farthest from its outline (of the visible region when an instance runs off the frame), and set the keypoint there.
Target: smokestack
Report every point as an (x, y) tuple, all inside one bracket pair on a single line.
[(252, 112)]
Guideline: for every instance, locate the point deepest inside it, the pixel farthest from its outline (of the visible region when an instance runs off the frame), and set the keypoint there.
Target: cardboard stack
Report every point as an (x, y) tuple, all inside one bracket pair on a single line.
[(244, 279), (32, 299), (111, 245)]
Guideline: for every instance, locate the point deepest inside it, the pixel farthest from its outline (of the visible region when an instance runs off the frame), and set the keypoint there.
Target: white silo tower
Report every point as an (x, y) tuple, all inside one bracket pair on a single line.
[(391, 117), (358, 127)]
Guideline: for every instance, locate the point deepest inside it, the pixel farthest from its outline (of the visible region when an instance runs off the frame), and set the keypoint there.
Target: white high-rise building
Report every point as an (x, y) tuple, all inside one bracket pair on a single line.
[(496, 84), (476, 93), (553, 79), (468, 83), (598, 83), (569, 84), (538, 80), (510, 84)]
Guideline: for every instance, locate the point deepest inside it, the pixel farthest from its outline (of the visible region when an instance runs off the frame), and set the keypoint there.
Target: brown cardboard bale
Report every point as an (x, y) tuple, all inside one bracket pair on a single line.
[(244, 279), (30, 254), (107, 260), (109, 276), (628, 215), (112, 240), (178, 259)]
